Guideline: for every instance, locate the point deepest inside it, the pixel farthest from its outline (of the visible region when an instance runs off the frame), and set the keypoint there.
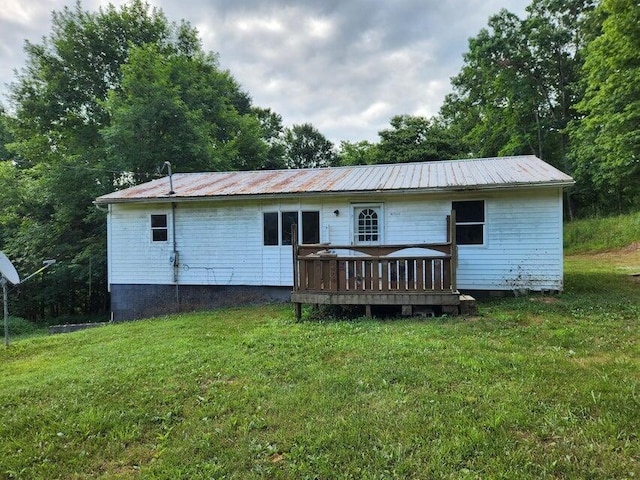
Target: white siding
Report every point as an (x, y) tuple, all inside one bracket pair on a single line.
[(423, 220), (133, 257), (221, 243), (523, 246)]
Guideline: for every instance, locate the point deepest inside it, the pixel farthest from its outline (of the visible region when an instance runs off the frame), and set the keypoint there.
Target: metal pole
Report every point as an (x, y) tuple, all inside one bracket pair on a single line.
[(5, 298)]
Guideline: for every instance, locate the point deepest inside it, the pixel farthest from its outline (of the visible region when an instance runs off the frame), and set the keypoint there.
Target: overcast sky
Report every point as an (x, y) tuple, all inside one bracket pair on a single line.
[(346, 66)]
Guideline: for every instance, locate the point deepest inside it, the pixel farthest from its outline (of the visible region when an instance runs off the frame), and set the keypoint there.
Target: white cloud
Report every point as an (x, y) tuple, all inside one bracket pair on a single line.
[(320, 28), (17, 12), (251, 26)]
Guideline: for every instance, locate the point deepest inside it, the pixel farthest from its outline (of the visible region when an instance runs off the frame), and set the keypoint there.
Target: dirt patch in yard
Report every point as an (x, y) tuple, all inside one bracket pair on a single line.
[(546, 300), (627, 258)]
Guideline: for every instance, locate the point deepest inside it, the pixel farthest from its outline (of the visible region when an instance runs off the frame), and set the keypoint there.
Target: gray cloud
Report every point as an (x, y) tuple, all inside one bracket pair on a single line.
[(345, 66)]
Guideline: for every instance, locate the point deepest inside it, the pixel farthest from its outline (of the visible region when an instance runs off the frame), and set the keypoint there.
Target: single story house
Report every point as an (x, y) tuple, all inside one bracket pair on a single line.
[(197, 240)]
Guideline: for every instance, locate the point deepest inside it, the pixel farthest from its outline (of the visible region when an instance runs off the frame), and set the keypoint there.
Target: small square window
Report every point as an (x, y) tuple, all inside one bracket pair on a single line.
[(159, 231), (469, 234)]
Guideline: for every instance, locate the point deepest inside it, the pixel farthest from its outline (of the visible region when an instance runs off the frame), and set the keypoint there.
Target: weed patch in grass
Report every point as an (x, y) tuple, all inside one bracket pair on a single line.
[(21, 326)]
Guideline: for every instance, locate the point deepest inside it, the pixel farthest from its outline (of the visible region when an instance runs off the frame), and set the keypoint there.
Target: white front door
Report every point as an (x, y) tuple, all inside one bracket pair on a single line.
[(367, 224)]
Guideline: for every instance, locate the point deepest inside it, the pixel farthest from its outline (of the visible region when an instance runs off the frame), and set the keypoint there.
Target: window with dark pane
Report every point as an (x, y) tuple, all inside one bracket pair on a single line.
[(288, 220), (310, 227), (270, 228), (469, 234), (368, 225), (469, 211), (469, 222), (159, 231)]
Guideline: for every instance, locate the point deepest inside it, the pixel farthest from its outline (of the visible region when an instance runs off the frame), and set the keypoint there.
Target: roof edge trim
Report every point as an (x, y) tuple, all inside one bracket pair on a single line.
[(470, 188)]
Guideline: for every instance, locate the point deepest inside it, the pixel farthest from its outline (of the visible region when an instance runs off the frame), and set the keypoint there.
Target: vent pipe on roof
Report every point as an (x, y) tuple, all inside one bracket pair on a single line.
[(168, 165)]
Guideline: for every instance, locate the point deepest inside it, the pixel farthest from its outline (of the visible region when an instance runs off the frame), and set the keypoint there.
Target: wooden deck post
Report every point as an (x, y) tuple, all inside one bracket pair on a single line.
[(296, 281), (451, 234), (294, 246)]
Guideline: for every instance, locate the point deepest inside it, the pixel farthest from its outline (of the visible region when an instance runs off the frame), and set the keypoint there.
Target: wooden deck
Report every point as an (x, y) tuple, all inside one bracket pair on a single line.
[(408, 275)]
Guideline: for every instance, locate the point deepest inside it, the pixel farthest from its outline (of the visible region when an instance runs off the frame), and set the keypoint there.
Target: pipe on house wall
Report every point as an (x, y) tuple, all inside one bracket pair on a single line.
[(174, 253)]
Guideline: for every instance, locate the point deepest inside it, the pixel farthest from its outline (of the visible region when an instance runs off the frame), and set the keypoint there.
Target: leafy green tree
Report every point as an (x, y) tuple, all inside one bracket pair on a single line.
[(5, 136), (606, 140), (183, 109), (11, 201), (358, 153), (491, 99), (417, 139), (273, 135), (306, 147), (60, 92), (519, 81)]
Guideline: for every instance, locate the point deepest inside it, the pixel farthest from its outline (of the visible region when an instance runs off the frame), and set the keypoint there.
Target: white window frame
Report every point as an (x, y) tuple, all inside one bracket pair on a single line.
[(299, 210), (153, 229), (483, 223)]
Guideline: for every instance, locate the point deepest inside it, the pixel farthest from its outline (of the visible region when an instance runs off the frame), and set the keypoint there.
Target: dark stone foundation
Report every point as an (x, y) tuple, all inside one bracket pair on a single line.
[(131, 302)]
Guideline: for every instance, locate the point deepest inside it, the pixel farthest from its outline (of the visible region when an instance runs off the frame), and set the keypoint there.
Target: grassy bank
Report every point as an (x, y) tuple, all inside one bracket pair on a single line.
[(601, 234), (530, 388)]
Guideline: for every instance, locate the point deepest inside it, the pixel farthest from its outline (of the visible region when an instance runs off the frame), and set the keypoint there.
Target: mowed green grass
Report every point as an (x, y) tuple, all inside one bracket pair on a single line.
[(532, 387)]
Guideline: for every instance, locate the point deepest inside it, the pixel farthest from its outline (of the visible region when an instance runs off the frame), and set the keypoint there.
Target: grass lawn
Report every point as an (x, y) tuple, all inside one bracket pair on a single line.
[(538, 387)]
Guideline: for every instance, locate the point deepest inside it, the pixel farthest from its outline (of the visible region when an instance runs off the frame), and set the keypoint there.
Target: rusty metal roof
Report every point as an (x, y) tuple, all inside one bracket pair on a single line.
[(446, 175)]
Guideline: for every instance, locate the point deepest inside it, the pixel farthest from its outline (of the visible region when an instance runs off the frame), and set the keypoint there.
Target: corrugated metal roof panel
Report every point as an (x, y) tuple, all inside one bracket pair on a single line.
[(483, 173)]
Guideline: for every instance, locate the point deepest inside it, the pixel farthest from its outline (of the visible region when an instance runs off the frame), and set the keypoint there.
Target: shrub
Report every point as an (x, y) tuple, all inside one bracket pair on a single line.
[(20, 326)]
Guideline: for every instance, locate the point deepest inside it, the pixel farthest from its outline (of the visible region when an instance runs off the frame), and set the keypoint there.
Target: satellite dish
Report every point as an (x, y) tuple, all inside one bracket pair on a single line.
[(7, 270)]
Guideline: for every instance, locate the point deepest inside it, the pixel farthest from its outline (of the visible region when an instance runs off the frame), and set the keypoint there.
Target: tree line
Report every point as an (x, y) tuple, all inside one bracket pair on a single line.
[(109, 96)]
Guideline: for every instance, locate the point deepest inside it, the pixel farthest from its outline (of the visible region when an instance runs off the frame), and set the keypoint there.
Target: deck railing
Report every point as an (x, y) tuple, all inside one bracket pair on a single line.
[(320, 270), (323, 268)]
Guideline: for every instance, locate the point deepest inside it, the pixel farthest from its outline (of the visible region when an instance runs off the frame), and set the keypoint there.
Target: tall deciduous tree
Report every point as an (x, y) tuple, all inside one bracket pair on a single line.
[(488, 93), (183, 109), (519, 81), (417, 139), (273, 135), (306, 147), (5, 136), (606, 140), (59, 103), (358, 153)]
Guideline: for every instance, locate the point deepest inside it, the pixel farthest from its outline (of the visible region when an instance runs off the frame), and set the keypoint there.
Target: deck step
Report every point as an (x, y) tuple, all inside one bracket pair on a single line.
[(468, 305)]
